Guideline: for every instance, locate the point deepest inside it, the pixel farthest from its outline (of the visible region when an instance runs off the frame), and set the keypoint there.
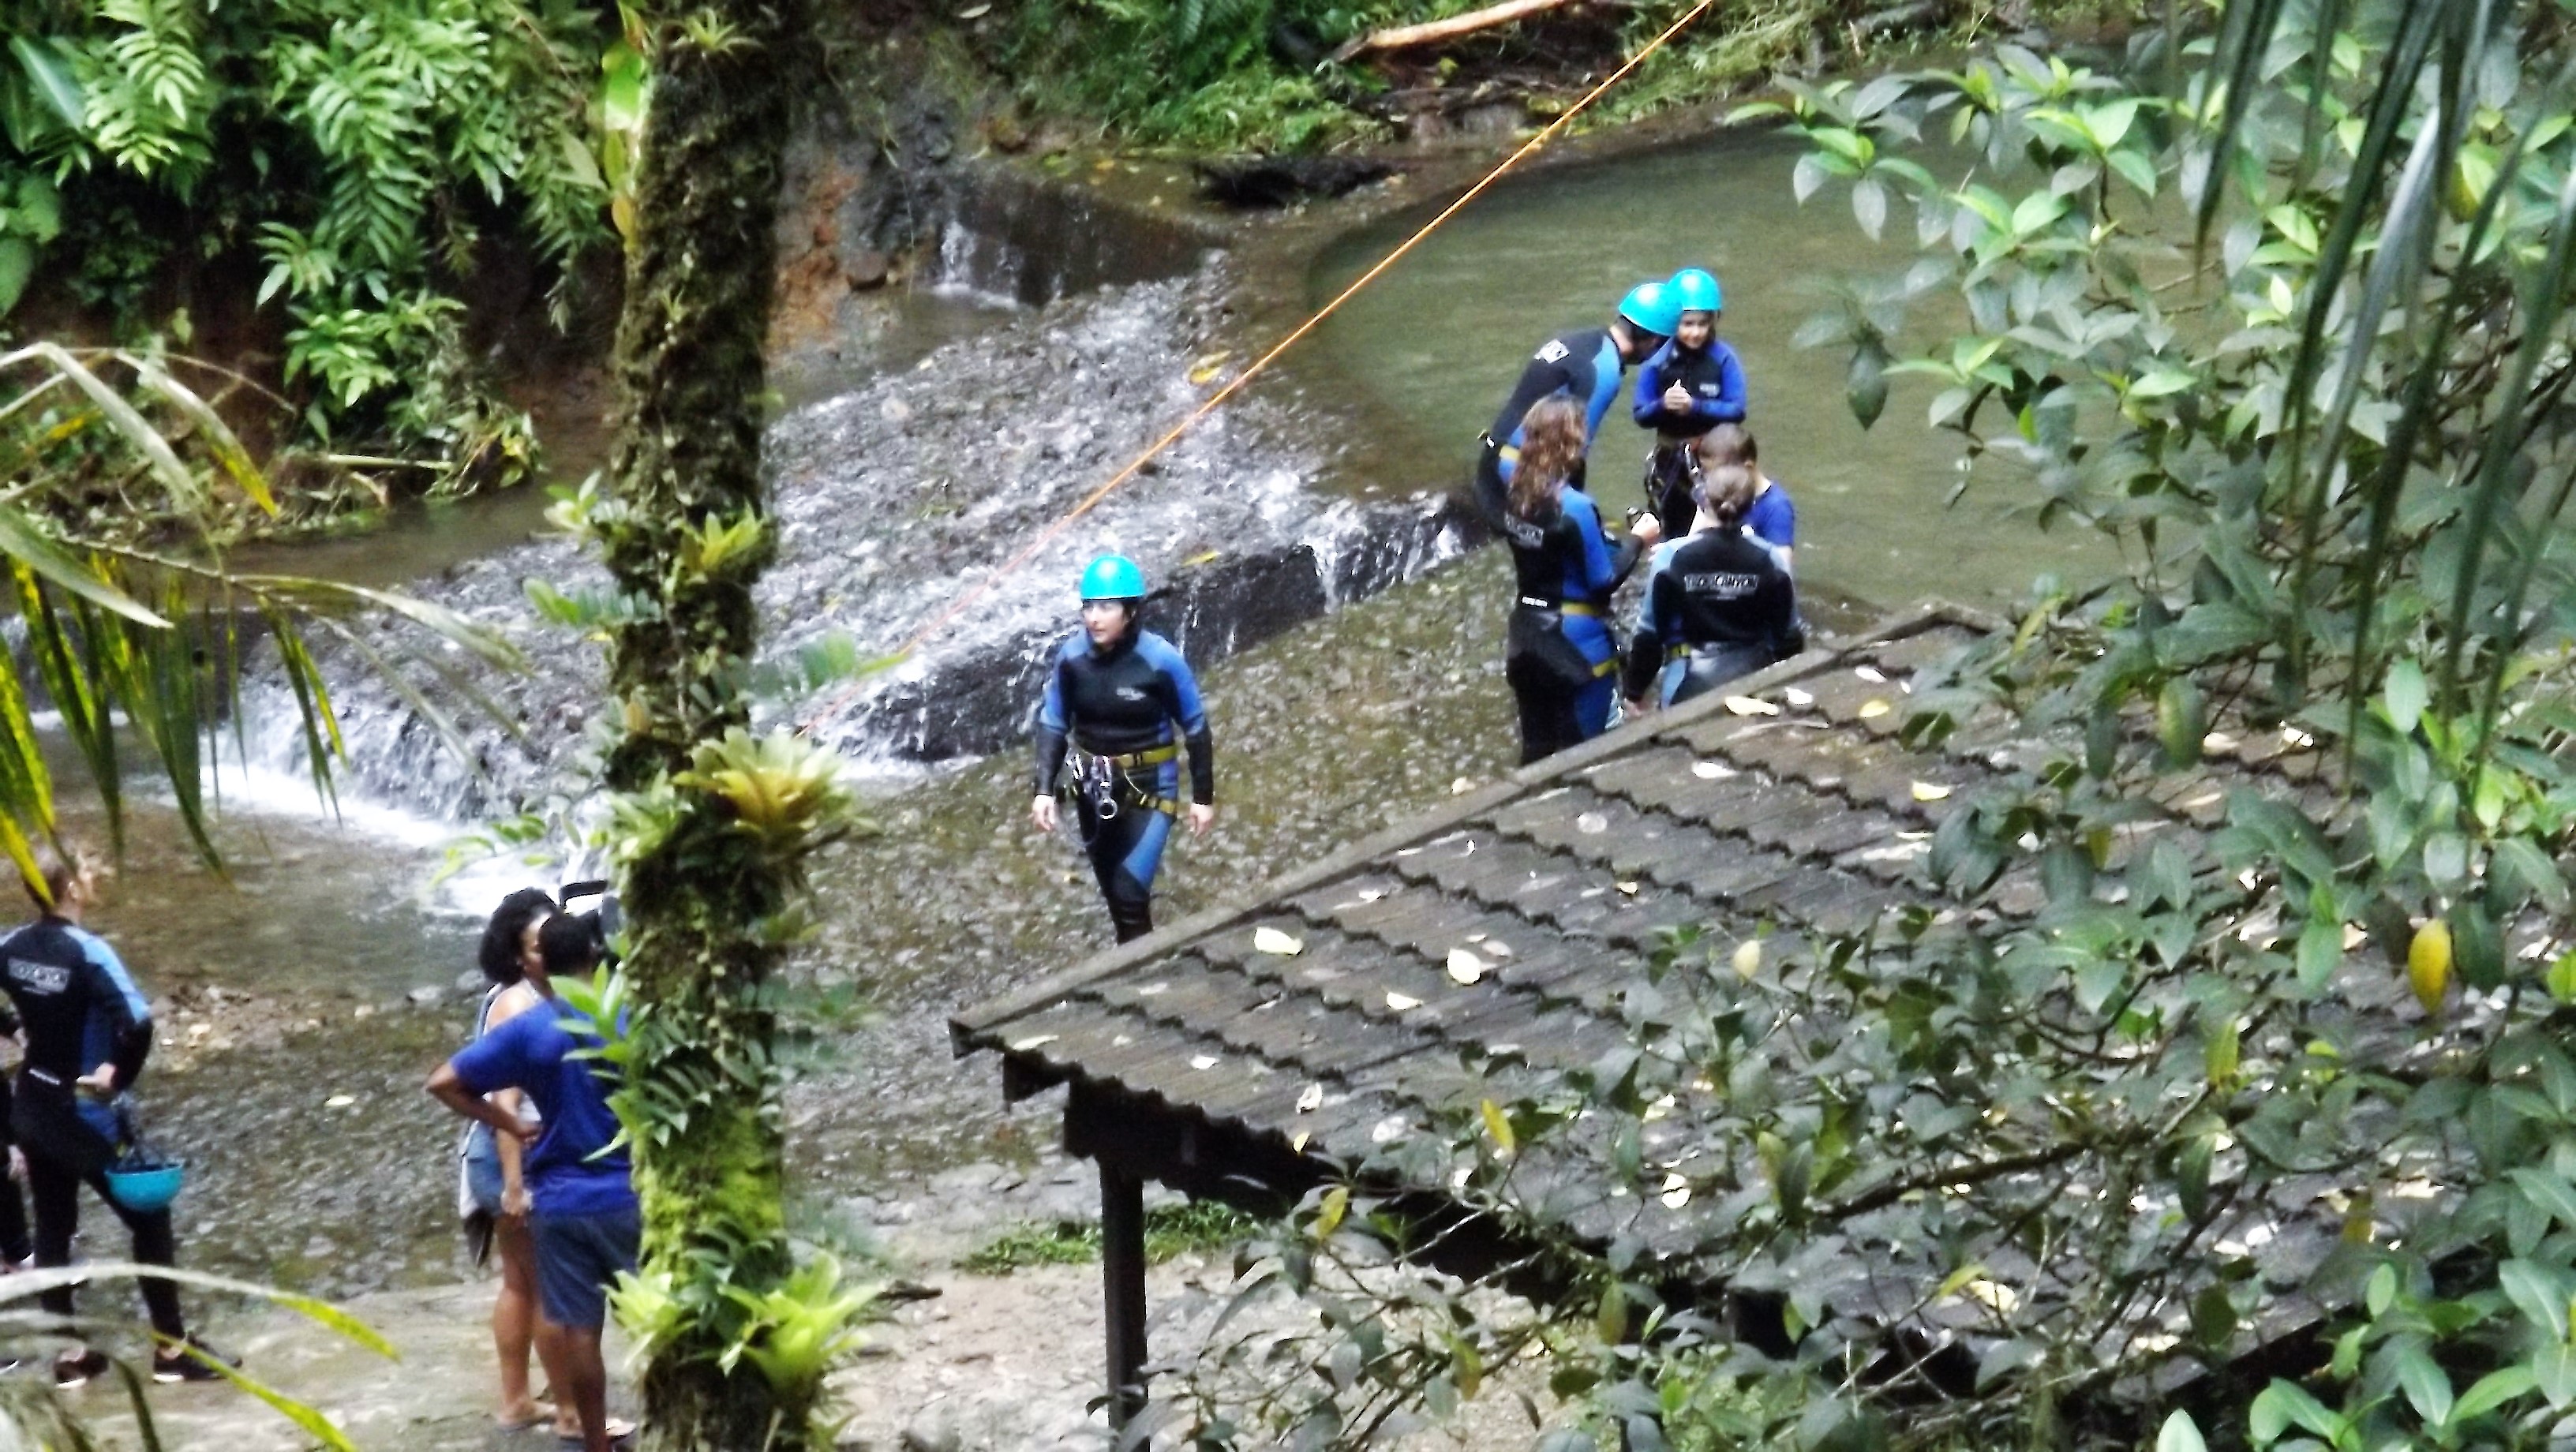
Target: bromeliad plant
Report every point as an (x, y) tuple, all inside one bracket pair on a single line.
[(2332, 447)]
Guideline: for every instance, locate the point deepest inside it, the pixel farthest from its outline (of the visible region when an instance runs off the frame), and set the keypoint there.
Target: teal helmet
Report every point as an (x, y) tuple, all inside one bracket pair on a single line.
[(1695, 290), (1649, 306), (144, 1186), (1113, 577)]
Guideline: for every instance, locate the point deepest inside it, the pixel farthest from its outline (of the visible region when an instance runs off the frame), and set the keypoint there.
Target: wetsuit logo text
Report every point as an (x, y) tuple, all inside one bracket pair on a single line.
[(1724, 584), (40, 977)]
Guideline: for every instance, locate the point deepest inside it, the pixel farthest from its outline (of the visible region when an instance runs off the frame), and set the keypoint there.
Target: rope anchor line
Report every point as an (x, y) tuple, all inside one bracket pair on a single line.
[(966, 599)]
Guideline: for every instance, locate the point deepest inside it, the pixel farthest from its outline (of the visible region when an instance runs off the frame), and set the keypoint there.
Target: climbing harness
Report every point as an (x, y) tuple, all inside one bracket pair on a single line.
[(967, 598)]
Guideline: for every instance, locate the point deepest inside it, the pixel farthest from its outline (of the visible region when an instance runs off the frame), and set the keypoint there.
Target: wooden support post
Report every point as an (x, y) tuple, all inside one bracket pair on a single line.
[(1122, 1285)]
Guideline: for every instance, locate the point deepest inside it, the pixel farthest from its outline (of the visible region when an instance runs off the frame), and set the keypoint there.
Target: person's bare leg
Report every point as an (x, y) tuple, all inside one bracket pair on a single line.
[(585, 1383), (514, 1319)]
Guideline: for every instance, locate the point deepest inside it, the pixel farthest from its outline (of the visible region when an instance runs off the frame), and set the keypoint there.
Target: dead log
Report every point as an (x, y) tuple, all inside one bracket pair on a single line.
[(1432, 32)]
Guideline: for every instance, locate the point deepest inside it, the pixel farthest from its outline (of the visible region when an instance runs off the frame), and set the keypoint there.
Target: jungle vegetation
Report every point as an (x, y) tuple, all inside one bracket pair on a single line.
[(346, 165), (1264, 75), (2278, 302)]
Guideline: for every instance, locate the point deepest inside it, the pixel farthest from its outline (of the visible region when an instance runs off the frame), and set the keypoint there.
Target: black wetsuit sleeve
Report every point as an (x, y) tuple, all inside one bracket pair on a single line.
[(1540, 379), (1624, 562), (1050, 762), (129, 1031), (1202, 767), (1054, 724)]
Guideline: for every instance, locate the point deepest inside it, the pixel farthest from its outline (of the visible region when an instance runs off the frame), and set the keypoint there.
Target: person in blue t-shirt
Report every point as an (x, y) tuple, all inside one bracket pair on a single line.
[(584, 1219)]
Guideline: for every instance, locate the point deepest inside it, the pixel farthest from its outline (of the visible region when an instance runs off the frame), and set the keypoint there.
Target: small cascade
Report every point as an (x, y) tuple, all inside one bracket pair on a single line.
[(1009, 235), (897, 496)]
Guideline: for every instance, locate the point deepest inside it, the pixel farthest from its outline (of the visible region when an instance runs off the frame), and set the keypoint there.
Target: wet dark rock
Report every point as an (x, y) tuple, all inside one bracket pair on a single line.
[(1276, 181)]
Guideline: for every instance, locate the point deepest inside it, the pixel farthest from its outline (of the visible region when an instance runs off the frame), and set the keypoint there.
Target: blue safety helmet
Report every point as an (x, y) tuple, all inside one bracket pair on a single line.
[(144, 1185), (1649, 306), (1695, 290), (1113, 577)]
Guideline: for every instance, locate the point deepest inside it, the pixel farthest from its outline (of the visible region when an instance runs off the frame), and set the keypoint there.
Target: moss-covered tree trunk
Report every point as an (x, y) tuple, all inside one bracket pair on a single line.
[(686, 469)]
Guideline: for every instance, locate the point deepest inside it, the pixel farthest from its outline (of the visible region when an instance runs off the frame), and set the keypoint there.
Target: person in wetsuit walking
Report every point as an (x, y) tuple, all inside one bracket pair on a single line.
[(88, 1031), (1718, 603), (1559, 656), (1115, 692), (1691, 385), (1586, 365)]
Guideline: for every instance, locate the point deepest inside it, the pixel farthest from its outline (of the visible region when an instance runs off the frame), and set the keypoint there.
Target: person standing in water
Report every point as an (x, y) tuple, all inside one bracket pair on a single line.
[(1116, 694), (1691, 385), (1585, 365), (1718, 603), (88, 1032), (1559, 655)]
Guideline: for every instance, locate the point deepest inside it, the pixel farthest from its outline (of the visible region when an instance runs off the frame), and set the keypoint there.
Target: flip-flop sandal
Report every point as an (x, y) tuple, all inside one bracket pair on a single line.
[(621, 1433), (542, 1414)]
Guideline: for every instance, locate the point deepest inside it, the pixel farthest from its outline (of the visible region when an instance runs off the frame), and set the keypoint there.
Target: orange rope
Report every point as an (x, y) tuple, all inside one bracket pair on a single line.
[(966, 599)]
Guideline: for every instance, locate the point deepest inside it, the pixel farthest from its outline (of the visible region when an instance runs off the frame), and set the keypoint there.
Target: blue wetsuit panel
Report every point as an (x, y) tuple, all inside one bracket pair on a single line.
[(1714, 377), (1591, 576), (1584, 365), (1772, 519)]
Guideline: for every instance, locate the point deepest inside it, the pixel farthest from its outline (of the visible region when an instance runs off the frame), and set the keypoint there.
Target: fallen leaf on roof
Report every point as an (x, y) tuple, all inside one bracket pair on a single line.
[(1310, 1099), (1629, 888), (1203, 1061), (1499, 948), (1298, 1140), (1400, 1003), (1749, 706), (1592, 823), (1022, 1046), (1711, 771), (339, 1101), (1205, 557), (1796, 697), (1465, 967), (1925, 791), (1874, 708), (1748, 958), (1205, 370), (1271, 940), (1871, 674)]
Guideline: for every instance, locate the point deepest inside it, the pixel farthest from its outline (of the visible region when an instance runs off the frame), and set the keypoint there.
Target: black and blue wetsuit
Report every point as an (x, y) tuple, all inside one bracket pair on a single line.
[(1714, 378), (1566, 570), (1118, 710), (1718, 606), (1584, 364), (79, 1009)]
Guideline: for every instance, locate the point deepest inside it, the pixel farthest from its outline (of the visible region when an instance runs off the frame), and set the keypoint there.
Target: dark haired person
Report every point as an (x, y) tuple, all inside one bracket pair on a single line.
[(584, 1220), (1116, 696), (1691, 385), (1559, 656), (87, 1032), (1585, 365), (1718, 604), (491, 1164)]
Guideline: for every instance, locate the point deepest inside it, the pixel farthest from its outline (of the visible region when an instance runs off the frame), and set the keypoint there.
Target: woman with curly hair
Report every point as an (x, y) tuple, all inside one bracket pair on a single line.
[(1560, 656)]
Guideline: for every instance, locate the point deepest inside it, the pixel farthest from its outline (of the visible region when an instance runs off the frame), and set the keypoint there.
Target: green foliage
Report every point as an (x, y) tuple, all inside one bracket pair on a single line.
[(359, 149), (1170, 1230), (2324, 999), (118, 670), (1241, 74)]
